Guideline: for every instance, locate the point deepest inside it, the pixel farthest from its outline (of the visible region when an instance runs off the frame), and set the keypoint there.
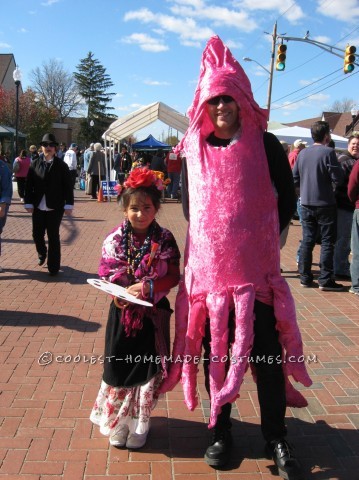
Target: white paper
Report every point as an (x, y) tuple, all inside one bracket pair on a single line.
[(117, 291)]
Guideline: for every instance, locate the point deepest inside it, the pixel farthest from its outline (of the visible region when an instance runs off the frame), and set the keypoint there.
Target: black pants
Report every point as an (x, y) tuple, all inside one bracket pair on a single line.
[(48, 222), (270, 378), (73, 177), (21, 181)]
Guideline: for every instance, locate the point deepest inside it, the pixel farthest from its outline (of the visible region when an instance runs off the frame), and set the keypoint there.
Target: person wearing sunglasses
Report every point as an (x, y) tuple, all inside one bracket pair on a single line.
[(48, 195), (238, 195)]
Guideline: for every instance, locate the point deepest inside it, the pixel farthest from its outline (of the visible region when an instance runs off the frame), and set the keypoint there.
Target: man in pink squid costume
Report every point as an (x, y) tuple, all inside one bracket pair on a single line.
[(239, 188)]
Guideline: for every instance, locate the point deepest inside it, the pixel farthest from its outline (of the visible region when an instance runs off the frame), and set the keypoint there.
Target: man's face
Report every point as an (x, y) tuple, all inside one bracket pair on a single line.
[(223, 112), (353, 147)]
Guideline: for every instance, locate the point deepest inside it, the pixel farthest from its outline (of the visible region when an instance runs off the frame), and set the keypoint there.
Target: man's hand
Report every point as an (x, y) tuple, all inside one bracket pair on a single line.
[(2, 210), (68, 212), (29, 210)]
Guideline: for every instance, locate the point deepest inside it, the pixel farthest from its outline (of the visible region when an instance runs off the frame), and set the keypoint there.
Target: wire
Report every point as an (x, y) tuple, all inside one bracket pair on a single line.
[(313, 93), (307, 86)]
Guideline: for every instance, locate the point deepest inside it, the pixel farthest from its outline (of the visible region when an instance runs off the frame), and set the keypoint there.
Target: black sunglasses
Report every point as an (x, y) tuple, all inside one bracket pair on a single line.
[(47, 144), (224, 98)]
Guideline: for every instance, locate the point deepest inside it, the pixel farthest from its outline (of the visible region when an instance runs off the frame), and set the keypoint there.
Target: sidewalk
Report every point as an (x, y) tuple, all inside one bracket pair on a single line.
[(45, 433)]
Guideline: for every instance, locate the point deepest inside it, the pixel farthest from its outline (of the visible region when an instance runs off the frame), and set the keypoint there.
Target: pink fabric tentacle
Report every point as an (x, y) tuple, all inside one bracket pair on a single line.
[(243, 297), (181, 324), (192, 354), (289, 334), (218, 310)]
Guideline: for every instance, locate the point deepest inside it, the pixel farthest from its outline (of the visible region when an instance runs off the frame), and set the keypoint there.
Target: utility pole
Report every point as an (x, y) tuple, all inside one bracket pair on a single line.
[(271, 71)]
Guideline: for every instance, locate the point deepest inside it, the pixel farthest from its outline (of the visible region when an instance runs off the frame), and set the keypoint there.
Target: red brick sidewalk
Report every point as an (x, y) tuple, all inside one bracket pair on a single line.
[(45, 431)]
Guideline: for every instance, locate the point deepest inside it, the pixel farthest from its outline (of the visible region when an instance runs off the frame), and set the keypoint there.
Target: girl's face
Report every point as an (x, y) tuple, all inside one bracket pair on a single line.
[(140, 212)]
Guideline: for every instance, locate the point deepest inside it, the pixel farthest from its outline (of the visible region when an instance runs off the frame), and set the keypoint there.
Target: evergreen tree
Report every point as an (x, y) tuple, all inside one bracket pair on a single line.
[(93, 84)]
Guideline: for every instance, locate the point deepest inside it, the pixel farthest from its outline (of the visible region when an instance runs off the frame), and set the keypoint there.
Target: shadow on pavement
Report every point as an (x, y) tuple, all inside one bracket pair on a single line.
[(324, 452), (28, 319), (65, 275)]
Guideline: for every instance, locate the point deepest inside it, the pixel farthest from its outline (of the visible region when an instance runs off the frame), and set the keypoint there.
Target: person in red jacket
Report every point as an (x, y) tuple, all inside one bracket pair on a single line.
[(174, 165), (298, 146), (21, 167)]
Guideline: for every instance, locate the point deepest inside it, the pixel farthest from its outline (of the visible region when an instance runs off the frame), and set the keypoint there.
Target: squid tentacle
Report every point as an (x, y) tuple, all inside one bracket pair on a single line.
[(243, 297)]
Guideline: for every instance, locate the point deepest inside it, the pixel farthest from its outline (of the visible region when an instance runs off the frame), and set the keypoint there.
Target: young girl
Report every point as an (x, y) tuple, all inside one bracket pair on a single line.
[(144, 257)]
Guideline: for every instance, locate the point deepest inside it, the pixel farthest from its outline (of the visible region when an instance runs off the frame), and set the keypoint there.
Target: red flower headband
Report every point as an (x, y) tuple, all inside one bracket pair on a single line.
[(142, 177)]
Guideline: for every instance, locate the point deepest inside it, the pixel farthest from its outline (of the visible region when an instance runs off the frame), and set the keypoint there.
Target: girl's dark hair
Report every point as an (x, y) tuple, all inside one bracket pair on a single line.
[(23, 153), (152, 192)]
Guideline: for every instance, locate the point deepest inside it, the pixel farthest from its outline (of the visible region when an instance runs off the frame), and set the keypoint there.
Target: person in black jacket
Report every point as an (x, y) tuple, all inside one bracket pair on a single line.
[(48, 195)]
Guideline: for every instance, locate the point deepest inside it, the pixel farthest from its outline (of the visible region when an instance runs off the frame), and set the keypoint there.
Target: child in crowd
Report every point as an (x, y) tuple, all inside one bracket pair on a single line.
[(143, 257)]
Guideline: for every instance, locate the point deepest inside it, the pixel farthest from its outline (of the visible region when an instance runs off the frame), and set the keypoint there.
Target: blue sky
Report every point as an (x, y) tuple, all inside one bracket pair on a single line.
[(152, 48)]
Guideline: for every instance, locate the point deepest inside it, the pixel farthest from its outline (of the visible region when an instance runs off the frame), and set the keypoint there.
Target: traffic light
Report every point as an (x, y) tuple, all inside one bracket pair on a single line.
[(281, 56), (349, 59)]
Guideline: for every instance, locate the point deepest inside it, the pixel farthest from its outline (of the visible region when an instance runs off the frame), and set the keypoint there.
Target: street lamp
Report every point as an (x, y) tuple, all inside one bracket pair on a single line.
[(269, 95), (17, 79), (247, 59), (354, 113)]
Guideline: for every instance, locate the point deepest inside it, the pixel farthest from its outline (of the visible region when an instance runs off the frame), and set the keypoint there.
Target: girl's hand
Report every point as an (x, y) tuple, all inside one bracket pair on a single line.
[(136, 289)]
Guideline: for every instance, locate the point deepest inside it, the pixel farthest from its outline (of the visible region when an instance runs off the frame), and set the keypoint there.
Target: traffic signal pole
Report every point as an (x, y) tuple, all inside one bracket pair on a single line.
[(271, 70)]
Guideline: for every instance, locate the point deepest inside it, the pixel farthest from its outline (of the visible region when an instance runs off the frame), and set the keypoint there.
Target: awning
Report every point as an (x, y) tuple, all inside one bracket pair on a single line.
[(125, 126)]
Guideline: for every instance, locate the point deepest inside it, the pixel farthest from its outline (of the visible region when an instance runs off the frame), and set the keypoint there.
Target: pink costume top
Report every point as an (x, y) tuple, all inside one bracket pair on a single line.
[(232, 253)]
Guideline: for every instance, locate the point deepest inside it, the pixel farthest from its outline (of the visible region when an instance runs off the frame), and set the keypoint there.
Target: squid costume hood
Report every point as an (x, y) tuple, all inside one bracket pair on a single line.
[(232, 254)]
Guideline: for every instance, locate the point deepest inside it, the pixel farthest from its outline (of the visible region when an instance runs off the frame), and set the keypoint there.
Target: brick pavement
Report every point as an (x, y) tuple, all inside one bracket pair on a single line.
[(45, 432)]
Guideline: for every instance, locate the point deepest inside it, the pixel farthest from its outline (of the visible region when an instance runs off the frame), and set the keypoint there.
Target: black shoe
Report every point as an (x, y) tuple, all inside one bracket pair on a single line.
[(306, 285), (331, 286), (52, 273), (338, 276), (218, 452), (282, 454), (42, 260)]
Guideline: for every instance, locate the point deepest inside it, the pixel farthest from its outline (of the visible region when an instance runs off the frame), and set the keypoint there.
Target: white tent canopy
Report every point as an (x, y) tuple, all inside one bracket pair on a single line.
[(125, 126), (290, 134)]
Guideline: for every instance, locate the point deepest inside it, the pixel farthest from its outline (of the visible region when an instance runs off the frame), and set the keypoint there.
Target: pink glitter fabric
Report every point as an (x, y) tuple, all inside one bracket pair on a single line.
[(232, 252)]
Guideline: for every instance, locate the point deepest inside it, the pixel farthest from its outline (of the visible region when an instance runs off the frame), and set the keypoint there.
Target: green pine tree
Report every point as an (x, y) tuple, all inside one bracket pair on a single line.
[(93, 83)]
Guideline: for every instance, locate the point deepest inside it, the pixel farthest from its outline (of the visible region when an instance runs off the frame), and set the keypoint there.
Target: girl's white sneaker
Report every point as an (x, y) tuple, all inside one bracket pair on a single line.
[(120, 437), (136, 440)]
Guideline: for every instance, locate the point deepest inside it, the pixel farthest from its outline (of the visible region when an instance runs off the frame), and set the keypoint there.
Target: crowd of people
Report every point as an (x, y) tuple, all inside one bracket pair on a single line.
[(232, 299)]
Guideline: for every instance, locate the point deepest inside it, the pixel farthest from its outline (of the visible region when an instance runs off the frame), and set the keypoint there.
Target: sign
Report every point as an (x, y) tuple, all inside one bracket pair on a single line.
[(108, 188)]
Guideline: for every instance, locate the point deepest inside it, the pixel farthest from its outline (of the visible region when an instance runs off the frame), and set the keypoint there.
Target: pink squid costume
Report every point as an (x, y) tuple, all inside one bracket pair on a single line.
[(232, 254)]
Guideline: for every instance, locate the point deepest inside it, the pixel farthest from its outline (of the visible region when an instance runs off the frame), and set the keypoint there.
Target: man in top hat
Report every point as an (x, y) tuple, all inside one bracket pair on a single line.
[(48, 195)]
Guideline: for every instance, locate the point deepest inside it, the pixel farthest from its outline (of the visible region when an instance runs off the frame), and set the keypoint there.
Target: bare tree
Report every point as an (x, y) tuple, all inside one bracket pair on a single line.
[(342, 106), (57, 88)]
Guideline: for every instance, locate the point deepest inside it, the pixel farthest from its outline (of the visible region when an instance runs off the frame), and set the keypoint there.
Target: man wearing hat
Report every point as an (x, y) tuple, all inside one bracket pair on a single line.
[(70, 159), (298, 146), (48, 195)]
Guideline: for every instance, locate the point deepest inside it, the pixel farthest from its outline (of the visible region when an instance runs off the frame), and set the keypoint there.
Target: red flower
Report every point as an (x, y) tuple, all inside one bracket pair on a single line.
[(140, 177)]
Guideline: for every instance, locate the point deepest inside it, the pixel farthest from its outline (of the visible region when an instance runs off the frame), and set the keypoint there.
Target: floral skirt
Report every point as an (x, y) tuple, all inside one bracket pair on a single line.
[(115, 406)]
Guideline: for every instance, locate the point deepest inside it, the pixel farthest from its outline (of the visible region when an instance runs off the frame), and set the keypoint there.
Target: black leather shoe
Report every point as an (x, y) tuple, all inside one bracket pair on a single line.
[(42, 260), (218, 452), (282, 454), (53, 273)]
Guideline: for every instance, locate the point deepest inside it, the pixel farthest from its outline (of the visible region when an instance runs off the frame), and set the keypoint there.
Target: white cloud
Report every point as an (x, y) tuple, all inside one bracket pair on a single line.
[(5, 45), (219, 16), (345, 10), (23, 30), (155, 82), (187, 28), (49, 3), (322, 39), (232, 44), (145, 42), (130, 108), (305, 83), (288, 8), (319, 97)]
